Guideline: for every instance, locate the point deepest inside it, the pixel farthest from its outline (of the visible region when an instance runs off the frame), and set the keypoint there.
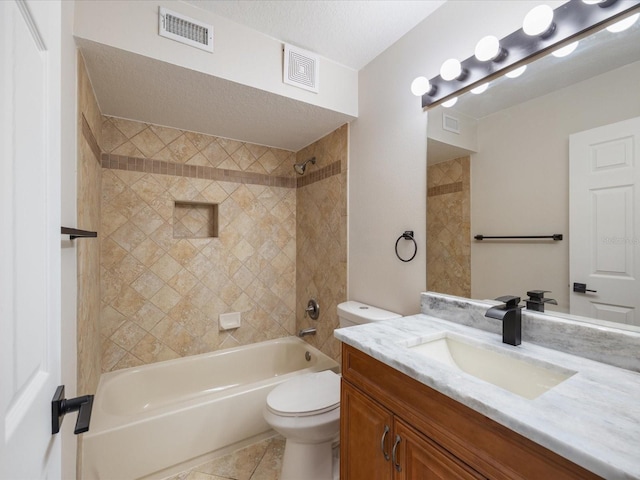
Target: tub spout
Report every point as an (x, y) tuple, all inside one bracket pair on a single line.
[(306, 331)]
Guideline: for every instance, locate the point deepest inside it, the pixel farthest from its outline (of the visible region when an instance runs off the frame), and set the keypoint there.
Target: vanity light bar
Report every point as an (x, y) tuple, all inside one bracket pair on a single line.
[(573, 21)]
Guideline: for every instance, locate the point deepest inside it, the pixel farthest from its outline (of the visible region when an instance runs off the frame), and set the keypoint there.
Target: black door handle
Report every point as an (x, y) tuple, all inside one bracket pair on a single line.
[(61, 406), (582, 288)]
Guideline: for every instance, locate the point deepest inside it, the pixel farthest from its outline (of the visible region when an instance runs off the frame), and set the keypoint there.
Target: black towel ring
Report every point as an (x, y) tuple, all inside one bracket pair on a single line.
[(408, 235)]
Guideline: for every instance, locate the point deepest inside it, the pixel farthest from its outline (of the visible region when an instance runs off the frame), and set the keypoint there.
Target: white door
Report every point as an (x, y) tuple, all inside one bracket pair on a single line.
[(605, 222), (29, 237)]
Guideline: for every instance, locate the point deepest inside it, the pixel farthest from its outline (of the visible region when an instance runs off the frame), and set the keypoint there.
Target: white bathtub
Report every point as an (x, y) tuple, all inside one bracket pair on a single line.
[(148, 420)]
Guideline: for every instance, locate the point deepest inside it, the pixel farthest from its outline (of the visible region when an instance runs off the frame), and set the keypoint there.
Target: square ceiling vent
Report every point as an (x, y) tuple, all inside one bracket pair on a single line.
[(185, 30), (301, 68)]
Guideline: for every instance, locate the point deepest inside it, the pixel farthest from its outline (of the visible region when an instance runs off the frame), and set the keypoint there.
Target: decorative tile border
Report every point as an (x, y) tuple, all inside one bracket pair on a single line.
[(444, 189), (137, 164), (120, 162), (315, 176)]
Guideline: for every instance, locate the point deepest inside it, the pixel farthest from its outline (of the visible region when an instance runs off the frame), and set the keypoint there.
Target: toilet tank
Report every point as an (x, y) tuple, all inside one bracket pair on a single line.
[(355, 313)]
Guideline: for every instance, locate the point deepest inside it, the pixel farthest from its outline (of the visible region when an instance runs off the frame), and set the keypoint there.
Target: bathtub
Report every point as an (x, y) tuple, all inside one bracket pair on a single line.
[(148, 422)]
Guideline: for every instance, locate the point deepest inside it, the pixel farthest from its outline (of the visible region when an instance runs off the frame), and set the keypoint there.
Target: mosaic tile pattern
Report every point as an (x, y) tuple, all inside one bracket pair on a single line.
[(149, 165), (448, 228), (321, 235)]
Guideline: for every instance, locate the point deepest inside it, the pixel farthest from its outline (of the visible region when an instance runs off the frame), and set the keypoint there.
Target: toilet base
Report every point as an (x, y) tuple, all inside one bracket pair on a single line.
[(311, 461)]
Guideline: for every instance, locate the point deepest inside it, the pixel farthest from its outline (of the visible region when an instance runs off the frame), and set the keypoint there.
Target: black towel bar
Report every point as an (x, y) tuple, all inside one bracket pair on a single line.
[(555, 236), (75, 233)]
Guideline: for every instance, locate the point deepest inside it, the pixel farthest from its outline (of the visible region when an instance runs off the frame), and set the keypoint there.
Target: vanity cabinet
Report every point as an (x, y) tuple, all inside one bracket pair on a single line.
[(434, 437), (378, 445)]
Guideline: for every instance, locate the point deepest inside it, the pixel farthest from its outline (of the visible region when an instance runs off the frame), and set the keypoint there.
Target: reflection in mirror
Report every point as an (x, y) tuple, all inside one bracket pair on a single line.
[(499, 165)]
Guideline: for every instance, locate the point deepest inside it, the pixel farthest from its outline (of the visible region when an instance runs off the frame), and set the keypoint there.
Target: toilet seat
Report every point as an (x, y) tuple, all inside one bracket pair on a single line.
[(306, 395)]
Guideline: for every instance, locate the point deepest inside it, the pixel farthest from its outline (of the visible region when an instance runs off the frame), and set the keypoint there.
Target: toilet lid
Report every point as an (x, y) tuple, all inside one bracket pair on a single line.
[(308, 394)]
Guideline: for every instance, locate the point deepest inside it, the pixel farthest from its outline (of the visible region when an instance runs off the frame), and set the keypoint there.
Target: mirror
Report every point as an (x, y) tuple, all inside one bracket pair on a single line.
[(499, 165)]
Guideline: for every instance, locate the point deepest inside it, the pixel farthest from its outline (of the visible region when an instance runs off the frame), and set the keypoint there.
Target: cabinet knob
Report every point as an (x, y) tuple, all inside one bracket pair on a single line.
[(394, 453)]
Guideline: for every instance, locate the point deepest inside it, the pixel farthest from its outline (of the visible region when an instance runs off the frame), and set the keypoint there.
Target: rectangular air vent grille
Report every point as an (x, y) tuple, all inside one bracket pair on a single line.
[(450, 124), (301, 68), (185, 30)]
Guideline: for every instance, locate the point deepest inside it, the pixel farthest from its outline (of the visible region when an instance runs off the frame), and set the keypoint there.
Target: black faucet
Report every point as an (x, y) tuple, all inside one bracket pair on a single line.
[(510, 314), (536, 300)]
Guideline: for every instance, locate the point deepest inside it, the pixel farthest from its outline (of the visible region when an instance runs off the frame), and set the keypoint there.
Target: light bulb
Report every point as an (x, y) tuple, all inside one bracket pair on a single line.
[(420, 86), (622, 25), (482, 88), (564, 51), (451, 69), (538, 21), (517, 72), (450, 103), (488, 48)]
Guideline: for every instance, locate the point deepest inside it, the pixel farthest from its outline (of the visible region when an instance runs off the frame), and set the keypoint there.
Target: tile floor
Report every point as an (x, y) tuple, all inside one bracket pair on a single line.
[(260, 461)]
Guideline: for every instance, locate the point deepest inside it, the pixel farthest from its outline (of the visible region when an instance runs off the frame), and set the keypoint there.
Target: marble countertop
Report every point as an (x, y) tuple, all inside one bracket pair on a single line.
[(592, 418)]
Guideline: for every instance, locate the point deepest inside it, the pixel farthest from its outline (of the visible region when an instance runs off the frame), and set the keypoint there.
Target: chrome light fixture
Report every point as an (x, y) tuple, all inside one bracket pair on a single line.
[(489, 49), (565, 51), (539, 22), (544, 31), (622, 25), (452, 70), (421, 86)]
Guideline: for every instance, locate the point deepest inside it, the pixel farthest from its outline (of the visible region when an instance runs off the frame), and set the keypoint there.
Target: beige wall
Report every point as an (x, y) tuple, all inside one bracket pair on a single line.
[(321, 235), (520, 178), (388, 148), (88, 249), (448, 227)]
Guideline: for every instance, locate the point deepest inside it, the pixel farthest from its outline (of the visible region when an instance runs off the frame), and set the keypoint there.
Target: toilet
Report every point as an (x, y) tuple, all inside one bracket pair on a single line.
[(306, 410)]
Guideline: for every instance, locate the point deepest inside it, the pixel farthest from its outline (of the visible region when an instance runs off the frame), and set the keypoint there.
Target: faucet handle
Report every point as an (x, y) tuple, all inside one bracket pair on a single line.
[(537, 300), (509, 300), (537, 294)]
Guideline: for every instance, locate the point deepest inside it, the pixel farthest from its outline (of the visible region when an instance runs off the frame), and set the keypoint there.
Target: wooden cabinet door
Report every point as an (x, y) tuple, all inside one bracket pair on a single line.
[(365, 437), (418, 457)]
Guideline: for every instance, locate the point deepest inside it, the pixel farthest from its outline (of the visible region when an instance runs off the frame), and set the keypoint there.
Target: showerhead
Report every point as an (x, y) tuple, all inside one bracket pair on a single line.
[(301, 167)]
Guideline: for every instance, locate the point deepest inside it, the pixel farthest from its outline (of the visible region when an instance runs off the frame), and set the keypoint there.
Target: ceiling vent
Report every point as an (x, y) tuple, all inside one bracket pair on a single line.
[(450, 124), (186, 30), (301, 68)]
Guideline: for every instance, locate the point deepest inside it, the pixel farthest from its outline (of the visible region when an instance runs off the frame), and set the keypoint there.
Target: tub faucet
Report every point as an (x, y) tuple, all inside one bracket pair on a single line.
[(306, 331), (511, 316)]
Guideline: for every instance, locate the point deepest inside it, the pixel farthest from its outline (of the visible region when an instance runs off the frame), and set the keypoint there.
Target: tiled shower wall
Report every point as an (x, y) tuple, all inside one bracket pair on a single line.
[(88, 249), (162, 293), (448, 228), (322, 236)]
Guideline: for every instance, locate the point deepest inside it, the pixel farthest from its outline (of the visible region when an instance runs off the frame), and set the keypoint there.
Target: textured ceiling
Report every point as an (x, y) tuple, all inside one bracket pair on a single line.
[(350, 32), (140, 88)]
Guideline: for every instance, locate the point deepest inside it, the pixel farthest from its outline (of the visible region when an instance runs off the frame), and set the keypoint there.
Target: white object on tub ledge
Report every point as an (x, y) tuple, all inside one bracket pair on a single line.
[(227, 321), (153, 421)]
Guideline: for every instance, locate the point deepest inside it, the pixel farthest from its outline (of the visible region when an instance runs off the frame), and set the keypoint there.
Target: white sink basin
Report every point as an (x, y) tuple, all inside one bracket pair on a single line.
[(519, 375)]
